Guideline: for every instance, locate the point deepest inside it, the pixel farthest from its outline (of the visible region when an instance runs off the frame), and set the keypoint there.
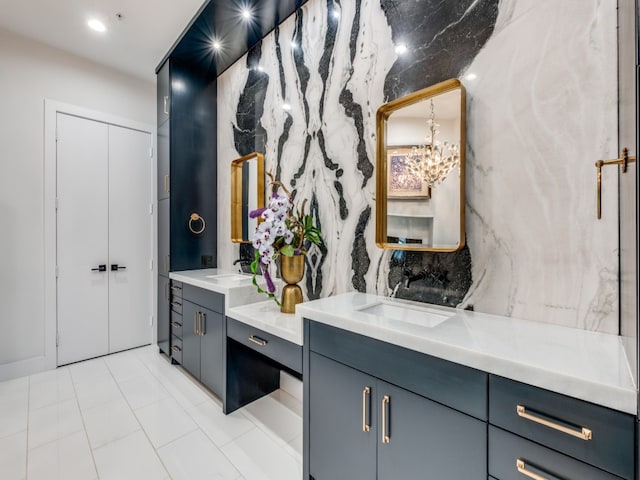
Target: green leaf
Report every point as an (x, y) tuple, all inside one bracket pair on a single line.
[(287, 250)]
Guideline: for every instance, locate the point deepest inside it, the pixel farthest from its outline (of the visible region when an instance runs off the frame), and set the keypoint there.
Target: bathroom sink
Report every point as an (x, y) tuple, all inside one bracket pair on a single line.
[(229, 278), (423, 316)]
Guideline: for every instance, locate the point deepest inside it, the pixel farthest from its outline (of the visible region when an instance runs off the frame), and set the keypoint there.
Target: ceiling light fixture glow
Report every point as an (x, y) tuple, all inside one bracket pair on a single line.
[(216, 45), (97, 25), (246, 13)]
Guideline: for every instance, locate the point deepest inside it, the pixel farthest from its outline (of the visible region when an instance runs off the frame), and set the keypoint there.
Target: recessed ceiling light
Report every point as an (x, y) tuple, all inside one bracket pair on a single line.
[(246, 13), (401, 48), (216, 45), (97, 25)]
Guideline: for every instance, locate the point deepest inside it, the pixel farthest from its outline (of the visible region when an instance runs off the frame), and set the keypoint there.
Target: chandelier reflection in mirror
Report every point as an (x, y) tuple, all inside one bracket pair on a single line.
[(434, 160)]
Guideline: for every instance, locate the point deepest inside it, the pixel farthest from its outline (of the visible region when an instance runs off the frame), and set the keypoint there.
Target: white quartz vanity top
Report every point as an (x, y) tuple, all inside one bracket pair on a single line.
[(237, 291), (267, 316), (582, 364)]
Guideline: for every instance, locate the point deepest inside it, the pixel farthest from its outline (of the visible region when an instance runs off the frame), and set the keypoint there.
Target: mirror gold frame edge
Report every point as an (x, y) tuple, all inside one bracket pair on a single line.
[(236, 193), (382, 115)]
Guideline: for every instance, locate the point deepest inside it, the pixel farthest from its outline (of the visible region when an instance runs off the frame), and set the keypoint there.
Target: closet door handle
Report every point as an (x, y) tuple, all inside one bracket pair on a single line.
[(366, 401), (386, 400), (99, 268)]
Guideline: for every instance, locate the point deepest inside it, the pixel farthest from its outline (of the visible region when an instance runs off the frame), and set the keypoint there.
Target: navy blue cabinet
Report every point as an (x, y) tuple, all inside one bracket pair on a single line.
[(163, 314), (364, 418)]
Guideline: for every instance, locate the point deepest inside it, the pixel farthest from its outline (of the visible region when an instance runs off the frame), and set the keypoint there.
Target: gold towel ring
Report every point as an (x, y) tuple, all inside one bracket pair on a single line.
[(194, 218)]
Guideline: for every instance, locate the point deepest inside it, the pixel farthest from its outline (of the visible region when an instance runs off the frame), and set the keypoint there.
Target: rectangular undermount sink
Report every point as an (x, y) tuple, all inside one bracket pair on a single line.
[(423, 316), (229, 278)]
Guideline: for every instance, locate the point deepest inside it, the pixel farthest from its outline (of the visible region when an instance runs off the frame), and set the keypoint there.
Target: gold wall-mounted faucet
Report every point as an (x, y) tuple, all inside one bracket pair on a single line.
[(623, 161)]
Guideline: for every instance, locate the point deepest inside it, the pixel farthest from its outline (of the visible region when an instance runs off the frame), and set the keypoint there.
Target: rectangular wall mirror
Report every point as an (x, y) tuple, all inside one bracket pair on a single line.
[(247, 194), (420, 170)]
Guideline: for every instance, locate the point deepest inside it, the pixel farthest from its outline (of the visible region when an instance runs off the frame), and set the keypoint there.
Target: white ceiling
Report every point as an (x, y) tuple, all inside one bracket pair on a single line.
[(134, 45)]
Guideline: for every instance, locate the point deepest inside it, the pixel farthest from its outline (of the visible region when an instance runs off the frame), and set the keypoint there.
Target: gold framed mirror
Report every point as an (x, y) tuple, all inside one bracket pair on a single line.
[(247, 194), (420, 165)]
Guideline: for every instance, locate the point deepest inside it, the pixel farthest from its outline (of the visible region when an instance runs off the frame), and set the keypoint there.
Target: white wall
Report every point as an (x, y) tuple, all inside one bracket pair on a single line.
[(29, 73)]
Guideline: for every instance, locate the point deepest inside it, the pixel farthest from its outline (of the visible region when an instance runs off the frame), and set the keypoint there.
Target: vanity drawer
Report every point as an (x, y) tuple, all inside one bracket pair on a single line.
[(205, 298), (588, 432), (176, 348), (282, 351), (176, 289), (508, 452), (176, 325)]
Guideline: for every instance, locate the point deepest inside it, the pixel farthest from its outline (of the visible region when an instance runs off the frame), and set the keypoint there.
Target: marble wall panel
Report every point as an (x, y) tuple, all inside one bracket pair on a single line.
[(542, 103)]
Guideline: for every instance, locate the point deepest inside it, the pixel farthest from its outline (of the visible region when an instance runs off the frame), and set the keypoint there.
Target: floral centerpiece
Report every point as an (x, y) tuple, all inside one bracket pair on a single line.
[(282, 231)]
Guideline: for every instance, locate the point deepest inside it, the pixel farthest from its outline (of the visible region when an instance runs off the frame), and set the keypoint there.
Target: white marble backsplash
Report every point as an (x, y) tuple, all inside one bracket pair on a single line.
[(541, 110)]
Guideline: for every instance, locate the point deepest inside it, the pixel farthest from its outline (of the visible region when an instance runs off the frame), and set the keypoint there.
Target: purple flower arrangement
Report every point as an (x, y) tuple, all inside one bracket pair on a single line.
[(282, 230)]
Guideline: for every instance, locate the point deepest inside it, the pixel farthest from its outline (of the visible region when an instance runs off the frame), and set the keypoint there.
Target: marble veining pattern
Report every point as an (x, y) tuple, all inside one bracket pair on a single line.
[(540, 111)]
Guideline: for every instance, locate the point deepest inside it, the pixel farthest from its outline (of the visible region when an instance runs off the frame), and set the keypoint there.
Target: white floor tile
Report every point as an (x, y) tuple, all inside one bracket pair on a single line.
[(182, 388), (109, 422), (89, 371), (258, 457), (278, 414), (294, 448), (125, 366), (92, 394), (18, 386), (130, 458), (220, 428), (165, 421), (66, 459), (14, 412), (143, 391), (194, 457), (50, 387), (291, 385), (54, 422), (13, 456)]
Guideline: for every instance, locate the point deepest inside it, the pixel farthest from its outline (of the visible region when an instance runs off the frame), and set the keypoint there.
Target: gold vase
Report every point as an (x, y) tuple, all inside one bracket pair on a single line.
[(291, 271)]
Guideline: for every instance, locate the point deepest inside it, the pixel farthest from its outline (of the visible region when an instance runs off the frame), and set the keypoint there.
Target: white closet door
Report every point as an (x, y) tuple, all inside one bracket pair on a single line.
[(82, 236), (129, 238)]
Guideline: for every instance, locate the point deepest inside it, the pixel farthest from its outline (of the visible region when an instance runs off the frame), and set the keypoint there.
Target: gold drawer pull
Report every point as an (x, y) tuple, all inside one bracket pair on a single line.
[(257, 340), (584, 433), (365, 408), (386, 438), (175, 287), (175, 348), (176, 325), (176, 304), (522, 468)]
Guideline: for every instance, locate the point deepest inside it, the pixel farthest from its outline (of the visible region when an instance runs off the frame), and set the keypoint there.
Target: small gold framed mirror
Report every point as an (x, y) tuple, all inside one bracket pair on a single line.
[(420, 165), (247, 194)]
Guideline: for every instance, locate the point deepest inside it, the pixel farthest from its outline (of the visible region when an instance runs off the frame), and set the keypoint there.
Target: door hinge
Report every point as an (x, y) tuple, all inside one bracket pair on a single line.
[(151, 264), (150, 152), (57, 339), (57, 271), (57, 203), (151, 320), (151, 209)]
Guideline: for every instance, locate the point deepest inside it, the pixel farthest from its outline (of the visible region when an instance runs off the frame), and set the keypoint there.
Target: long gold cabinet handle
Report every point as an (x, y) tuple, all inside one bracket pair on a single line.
[(521, 466), (258, 341), (583, 433), (203, 324), (176, 325), (166, 184), (623, 161), (386, 404), (366, 399)]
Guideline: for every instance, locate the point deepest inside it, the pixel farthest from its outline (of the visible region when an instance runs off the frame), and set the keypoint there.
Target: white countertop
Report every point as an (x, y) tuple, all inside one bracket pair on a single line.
[(587, 365), (267, 316), (235, 292)]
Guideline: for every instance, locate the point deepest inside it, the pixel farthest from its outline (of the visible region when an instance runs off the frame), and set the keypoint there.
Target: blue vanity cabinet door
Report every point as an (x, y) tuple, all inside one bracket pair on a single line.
[(427, 440), (211, 351), (164, 180), (164, 260), (190, 339), (163, 99), (338, 409)]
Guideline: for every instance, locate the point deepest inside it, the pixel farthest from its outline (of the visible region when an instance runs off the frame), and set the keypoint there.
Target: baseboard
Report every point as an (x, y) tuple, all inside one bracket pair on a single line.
[(22, 368)]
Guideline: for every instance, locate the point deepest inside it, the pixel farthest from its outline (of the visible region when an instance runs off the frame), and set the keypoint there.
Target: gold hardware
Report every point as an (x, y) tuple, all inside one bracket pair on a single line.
[(195, 323), (623, 161), (292, 272), (166, 183), (258, 340), (237, 235), (385, 433), (175, 348), (584, 433), (203, 324), (176, 304), (176, 325), (164, 108), (365, 393), (522, 468), (175, 287), (194, 218)]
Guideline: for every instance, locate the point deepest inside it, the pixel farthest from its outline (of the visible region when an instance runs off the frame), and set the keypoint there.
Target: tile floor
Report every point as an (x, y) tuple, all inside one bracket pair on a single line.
[(134, 416)]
